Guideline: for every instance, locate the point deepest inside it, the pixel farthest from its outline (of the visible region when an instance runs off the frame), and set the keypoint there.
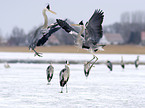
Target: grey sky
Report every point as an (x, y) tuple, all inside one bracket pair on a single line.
[(27, 14)]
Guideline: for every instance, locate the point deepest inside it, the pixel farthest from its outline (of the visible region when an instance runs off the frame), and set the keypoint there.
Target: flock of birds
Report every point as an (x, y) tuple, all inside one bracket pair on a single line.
[(87, 38), (65, 73), (110, 66)]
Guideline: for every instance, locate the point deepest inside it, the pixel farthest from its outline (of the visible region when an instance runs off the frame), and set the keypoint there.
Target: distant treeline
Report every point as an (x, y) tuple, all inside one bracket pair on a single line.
[(130, 27), (19, 38)]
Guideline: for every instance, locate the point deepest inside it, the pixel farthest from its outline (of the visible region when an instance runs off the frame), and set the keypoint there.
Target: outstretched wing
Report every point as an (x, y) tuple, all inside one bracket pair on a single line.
[(93, 32), (36, 36), (47, 35), (65, 26), (40, 38)]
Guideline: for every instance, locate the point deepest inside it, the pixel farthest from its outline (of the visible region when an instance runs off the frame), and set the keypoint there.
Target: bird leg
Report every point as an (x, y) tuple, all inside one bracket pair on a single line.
[(91, 60), (95, 56), (92, 65), (36, 53), (48, 83), (91, 51), (61, 90), (66, 89)]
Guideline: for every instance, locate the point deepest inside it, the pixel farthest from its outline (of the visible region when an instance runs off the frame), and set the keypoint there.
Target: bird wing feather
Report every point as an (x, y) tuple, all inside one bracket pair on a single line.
[(45, 37), (94, 26), (65, 25), (61, 75), (39, 39)]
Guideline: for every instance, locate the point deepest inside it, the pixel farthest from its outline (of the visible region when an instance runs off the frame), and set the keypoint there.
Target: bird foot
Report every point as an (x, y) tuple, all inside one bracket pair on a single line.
[(61, 92), (48, 83), (38, 54)]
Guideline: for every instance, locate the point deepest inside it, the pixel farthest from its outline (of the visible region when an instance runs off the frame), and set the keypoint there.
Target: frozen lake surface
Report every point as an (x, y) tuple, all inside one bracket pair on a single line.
[(25, 86), (18, 57)]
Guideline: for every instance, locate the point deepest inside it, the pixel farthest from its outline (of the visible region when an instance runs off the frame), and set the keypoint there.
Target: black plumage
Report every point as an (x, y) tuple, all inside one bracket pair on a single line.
[(122, 63), (65, 25), (40, 39), (42, 33), (137, 62), (48, 7), (88, 66), (64, 76), (93, 31), (123, 66), (63, 81), (49, 72), (45, 37), (86, 69), (109, 65)]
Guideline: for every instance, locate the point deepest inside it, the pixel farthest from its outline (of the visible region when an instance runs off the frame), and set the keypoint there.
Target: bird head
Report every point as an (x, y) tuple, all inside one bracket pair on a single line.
[(48, 9), (81, 23), (67, 62), (78, 25)]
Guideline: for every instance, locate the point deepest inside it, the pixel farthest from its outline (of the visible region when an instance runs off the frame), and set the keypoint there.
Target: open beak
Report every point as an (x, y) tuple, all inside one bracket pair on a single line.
[(52, 12)]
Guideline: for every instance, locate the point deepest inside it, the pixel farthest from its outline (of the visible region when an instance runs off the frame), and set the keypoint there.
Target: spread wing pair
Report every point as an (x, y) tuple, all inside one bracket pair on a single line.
[(89, 40), (93, 31)]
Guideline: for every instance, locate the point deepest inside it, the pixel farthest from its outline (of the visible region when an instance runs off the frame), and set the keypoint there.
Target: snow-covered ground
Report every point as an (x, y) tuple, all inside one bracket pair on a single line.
[(56, 57), (25, 86)]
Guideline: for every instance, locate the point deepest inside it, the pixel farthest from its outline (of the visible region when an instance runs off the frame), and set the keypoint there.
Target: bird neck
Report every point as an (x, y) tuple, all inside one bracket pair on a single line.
[(79, 38), (45, 18), (122, 60), (66, 66), (82, 29)]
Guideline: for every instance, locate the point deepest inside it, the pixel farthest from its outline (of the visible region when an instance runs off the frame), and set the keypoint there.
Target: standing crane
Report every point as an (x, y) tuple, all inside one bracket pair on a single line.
[(64, 76), (122, 63), (137, 62), (49, 72), (109, 65)]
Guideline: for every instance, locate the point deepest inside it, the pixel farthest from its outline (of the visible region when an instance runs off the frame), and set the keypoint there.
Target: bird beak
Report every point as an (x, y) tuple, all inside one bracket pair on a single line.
[(52, 12), (75, 25)]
